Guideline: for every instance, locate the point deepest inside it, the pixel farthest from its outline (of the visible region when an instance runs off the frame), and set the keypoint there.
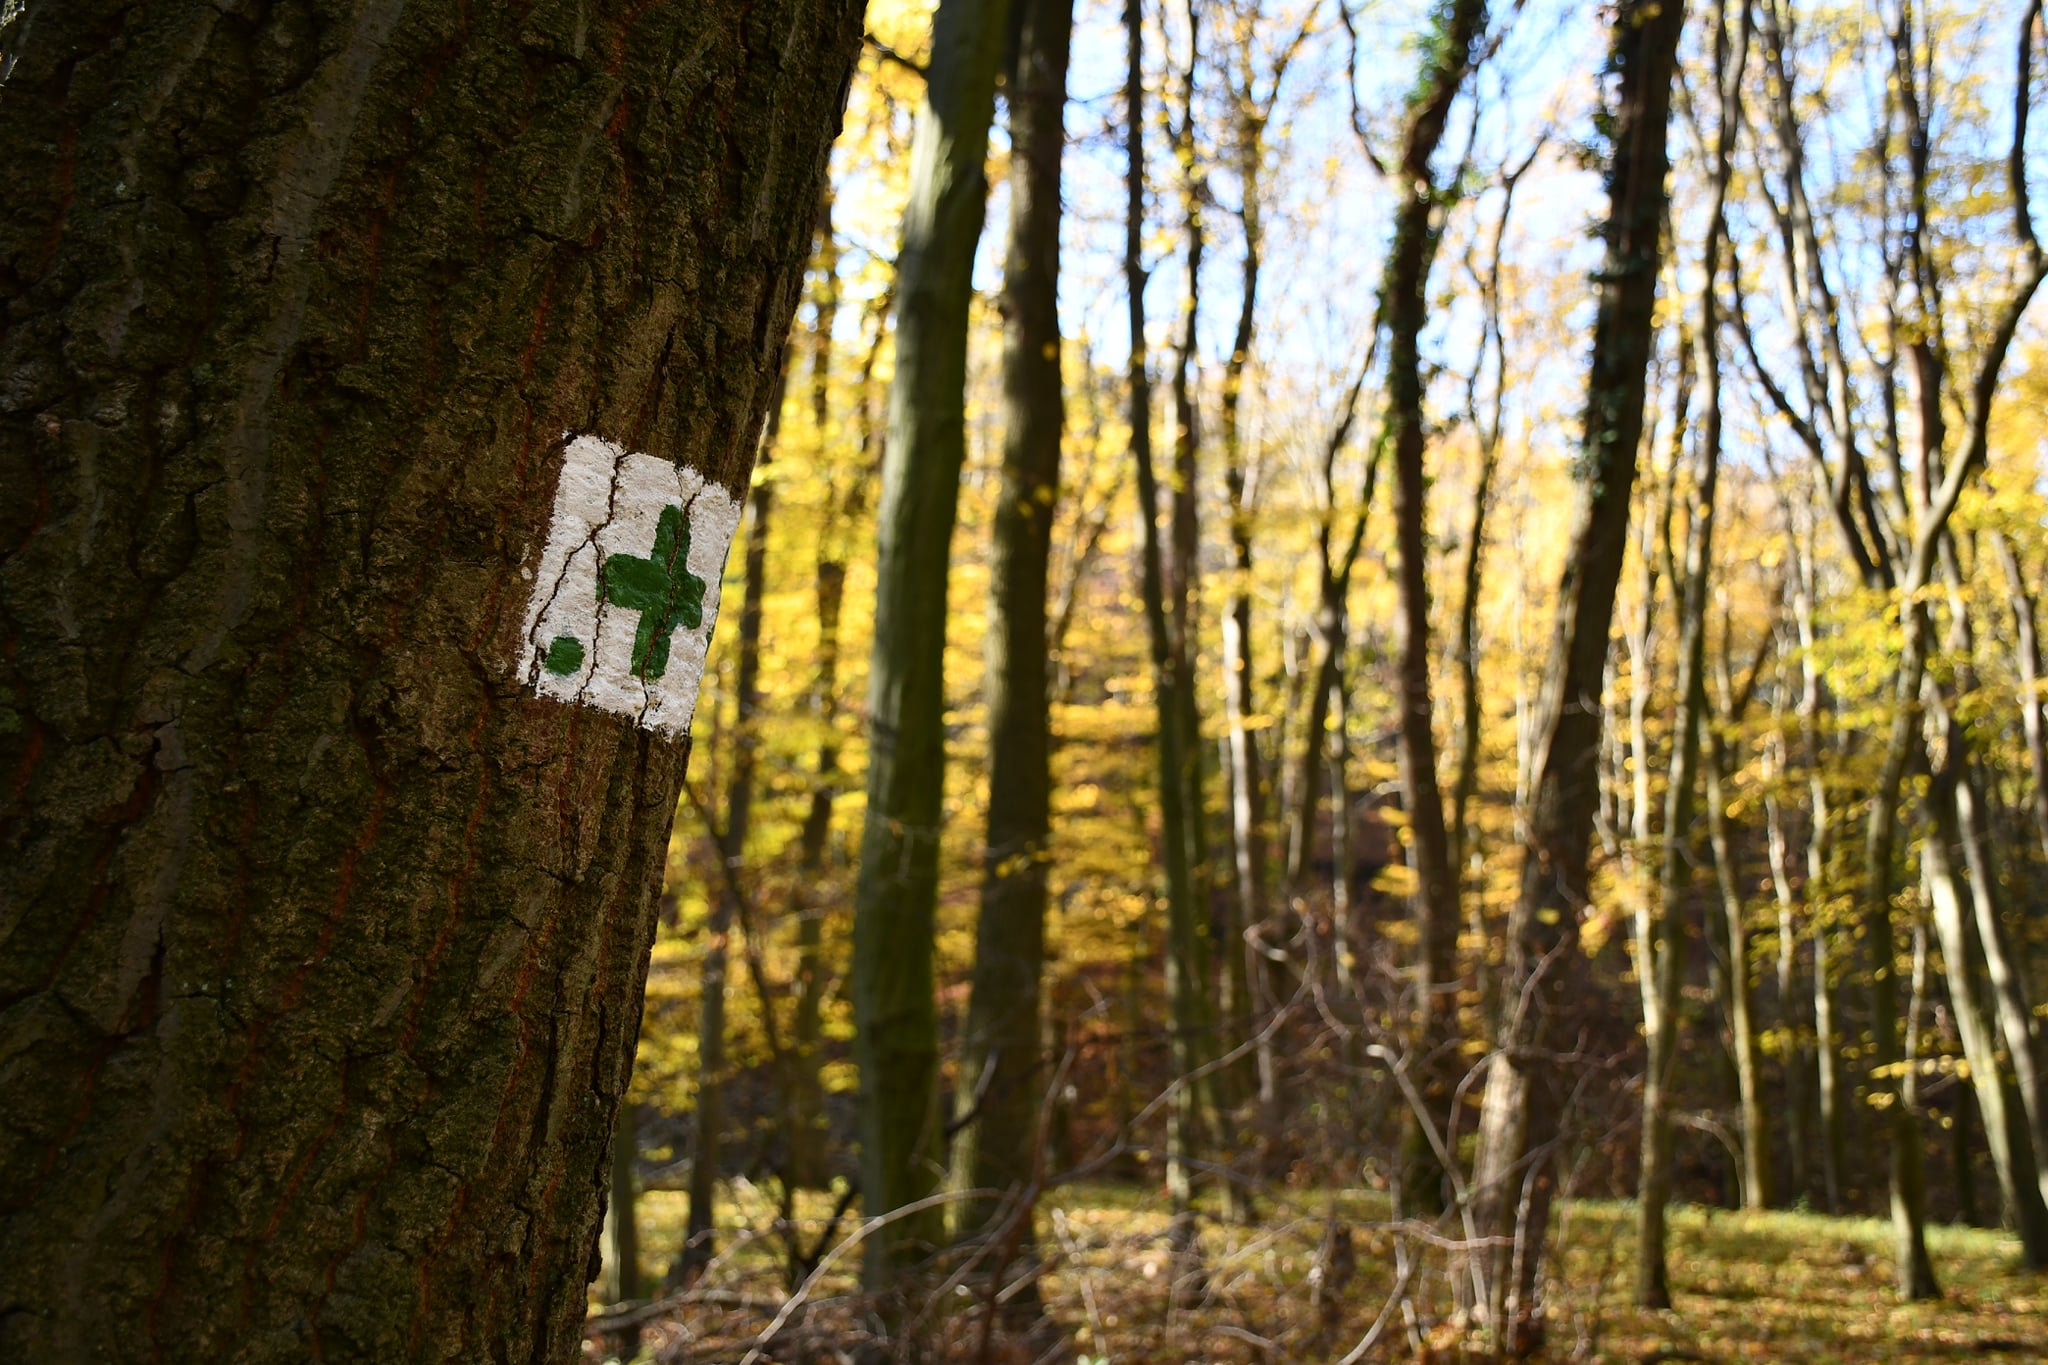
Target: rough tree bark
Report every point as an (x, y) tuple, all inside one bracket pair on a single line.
[(1523, 1110), (325, 935), (896, 1041), (1001, 1060)]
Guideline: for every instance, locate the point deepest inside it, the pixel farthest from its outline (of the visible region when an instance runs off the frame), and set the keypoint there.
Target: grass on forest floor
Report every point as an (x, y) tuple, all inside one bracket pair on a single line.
[(1778, 1286)]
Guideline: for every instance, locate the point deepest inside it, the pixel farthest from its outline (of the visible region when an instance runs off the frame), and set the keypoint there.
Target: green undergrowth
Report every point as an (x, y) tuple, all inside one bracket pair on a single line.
[(1777, 1286)]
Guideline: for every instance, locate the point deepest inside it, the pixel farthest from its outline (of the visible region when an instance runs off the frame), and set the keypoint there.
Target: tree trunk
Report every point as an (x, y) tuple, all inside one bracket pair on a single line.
[(2033, 671), (1759, 1186), (2016, 1018), (1962, 1164), (1523, 1111), (1829, 1090), (1332, 636), (328, 918), (1778, 849), (1249, 833), (1941, 485), (1403, 312), (1002, 1062), (707, 1121), (1182, 565), (896, 1041), (1915, 1272), (1998, 1100), (1820, 853), (1660, 933), (806, 1102), (1465, 852), (1186, 962), (621, 1220)]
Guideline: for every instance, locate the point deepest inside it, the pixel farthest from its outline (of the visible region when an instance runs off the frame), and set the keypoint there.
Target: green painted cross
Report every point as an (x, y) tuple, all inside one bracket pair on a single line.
[(660, 587)]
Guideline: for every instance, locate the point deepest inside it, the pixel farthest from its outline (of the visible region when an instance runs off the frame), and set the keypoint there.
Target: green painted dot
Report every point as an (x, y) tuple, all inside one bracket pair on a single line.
[(565, 655)]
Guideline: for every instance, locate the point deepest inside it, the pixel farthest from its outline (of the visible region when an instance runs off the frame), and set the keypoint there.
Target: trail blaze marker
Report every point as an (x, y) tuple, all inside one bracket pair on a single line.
[(627, 588), (661, 588)]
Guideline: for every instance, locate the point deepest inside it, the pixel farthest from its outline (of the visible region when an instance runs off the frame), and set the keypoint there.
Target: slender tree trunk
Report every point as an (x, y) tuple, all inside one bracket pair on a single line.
[(621, 1219), (1247, 901), (895, 1014), (1336, 761), (1794, 1067), (1403, 312), (806, 1102), (1183, 548), (1186, 964), (1941, 486), (1661, 935), (1465, 854), (1249, 833), (1827, 1051), (708, 1120), (326, 934), (1523, 1112), (1001, 1060), (2016, 1019), (1962, 1152), (1301, 790), (2028, 662), (1464, 845), (1998, 1100), (1908, 1192), (1820, 852), (1759, 1185), (1965, 793), (1660, 930), (1326, 664)]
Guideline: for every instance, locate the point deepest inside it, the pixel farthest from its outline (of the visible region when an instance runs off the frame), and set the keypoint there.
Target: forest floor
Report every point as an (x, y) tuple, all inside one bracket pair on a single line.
[(1780, 1286)]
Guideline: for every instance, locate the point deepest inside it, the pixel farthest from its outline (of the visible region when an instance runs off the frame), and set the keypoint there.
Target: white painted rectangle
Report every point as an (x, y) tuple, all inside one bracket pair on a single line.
[(626, 591)]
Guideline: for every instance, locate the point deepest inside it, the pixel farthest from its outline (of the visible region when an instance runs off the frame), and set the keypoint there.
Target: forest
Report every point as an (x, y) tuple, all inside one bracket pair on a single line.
[(1239, 839), (1377, 691)]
